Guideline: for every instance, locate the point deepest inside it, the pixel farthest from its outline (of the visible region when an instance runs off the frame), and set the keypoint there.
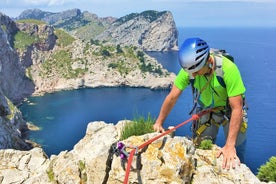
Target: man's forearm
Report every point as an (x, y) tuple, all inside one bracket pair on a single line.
[(234, 127)]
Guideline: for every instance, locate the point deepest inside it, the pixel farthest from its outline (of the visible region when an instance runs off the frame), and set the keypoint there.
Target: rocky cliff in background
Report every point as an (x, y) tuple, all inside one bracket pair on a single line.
[(148, 30), (55, 61), (12, 126), (14, 87), (84, 25), (93, 161), (13, 81)]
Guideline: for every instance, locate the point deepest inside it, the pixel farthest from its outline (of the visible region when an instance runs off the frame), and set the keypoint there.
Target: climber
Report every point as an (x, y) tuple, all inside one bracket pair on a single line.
[(205, 70)]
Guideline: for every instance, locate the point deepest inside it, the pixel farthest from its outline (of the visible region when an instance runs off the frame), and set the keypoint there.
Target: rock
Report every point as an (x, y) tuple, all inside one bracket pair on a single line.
[(166, 160), (14, 83), (12, 126), (23, 166), (149, 30)]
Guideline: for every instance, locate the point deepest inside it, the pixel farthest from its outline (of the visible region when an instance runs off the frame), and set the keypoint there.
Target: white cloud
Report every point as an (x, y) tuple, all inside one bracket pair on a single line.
[(44, 2)]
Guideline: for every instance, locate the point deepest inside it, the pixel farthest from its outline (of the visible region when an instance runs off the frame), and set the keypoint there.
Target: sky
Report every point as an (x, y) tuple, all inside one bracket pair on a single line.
[(186, 13)]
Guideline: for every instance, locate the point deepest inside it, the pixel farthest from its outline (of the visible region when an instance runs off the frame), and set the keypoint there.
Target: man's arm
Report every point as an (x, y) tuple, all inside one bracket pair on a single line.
[(166, 108), (230, 157)]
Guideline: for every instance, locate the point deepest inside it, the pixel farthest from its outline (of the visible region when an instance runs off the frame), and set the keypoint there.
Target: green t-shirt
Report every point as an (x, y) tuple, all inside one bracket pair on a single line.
[(214, 95)]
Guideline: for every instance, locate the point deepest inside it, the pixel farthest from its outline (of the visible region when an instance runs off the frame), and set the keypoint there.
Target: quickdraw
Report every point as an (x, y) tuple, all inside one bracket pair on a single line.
[(120, 151)]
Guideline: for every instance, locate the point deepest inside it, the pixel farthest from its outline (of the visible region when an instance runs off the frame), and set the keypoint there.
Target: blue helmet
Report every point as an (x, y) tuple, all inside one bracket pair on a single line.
[(193, 54)]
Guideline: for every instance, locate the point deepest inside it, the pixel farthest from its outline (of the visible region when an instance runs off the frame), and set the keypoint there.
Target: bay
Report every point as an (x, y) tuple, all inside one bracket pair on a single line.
[(63, 116)]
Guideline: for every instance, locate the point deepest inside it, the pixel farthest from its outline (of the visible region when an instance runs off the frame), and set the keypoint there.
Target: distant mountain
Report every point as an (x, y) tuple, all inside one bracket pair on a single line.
[(34, 14), (84, 25), (150, 30)]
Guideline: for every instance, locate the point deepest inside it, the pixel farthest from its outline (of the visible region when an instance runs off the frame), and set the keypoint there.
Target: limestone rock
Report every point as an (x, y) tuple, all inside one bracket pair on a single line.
[(149, 30), (12, 126), (93, 160), (14, 83), (23, 166)]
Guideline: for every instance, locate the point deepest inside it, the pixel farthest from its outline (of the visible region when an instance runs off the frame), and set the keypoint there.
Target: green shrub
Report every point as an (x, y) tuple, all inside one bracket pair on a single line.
[(22, 40), (51, 174), (64, 39), (206, 144), (82, 169), (139, 126), (141, 55), (120, 66), (60, 64), (105, 53), (267, 172), (95, 42), (119, 49)]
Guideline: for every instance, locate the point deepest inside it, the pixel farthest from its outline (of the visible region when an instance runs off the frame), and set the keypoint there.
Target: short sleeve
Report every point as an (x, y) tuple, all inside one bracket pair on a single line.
[(182, 80), (233, 79)]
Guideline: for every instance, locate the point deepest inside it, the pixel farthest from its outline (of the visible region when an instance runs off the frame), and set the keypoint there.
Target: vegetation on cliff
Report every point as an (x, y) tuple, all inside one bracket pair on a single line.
[(267, 172), (23, 39), (151, 15), (139, 126), (64, 39), (51, 55), (57, 52)]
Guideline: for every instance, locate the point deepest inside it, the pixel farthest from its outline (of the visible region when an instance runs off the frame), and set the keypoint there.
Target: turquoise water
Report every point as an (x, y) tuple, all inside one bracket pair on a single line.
[(63, 116)]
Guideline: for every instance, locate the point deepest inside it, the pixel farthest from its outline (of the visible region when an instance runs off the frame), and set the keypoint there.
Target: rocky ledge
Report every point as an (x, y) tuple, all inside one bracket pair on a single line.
[(166, 160)]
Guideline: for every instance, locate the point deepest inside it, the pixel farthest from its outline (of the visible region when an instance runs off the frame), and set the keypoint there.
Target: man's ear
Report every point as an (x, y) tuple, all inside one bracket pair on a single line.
[(210, 62)]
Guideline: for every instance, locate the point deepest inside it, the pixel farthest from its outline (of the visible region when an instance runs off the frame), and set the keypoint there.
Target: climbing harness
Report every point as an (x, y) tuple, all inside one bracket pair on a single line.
[(219, 116), (199, 127)]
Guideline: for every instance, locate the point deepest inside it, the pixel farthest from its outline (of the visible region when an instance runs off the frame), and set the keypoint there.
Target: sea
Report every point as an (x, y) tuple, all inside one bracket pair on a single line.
[(63, 116)]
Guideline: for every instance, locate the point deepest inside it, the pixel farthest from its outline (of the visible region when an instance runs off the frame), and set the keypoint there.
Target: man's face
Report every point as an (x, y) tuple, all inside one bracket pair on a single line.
[(202, 71)]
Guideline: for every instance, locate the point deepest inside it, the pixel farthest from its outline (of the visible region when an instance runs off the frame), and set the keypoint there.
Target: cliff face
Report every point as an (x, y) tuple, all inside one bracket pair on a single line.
[(55, 64), (14, 83), (14, 87), (12, 126), (93, 160), (149, 30)]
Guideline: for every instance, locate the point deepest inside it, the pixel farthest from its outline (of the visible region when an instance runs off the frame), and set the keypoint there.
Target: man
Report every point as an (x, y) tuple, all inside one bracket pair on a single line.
[(201, 68)]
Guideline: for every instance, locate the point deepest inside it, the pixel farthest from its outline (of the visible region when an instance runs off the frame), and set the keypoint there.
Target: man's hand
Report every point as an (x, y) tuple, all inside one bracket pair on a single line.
[(158, 127), (230, 157)]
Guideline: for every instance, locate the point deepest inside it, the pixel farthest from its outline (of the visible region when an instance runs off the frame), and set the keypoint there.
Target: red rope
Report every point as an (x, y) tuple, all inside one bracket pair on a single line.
[(129, 165), (194, 117)]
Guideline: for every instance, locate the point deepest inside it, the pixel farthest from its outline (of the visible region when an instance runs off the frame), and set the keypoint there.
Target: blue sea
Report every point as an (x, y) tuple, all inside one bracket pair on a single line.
[(63, 116)]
